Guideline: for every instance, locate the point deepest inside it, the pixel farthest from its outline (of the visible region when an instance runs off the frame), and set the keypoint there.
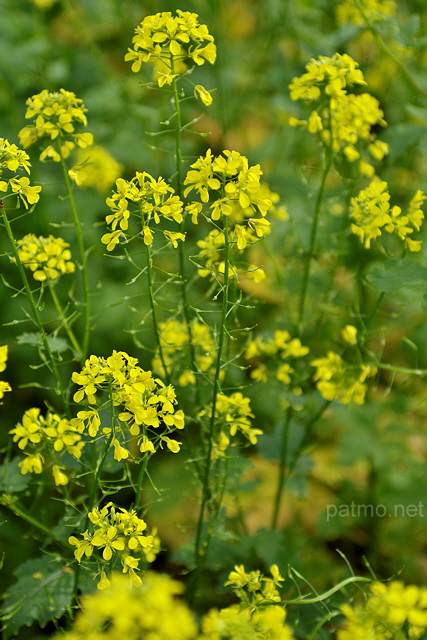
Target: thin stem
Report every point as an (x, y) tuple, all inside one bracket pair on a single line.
[(313, 233), (153, 311), (11, 503), (282, 468), (179, 162), (386, 49), (65, 322), (82, 252), (35, 312), (101, 461), (212, 430), (141, 475)]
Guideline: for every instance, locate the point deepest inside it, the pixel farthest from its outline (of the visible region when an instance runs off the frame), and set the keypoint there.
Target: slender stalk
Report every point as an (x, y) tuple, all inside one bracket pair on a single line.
[(82, 252), (154, 313), (50, 360), (386, 49), (98, 470), (141, 475), (212, 430), (11, 503), (313, 233), (282, 468), (179, 162), (65, 322)]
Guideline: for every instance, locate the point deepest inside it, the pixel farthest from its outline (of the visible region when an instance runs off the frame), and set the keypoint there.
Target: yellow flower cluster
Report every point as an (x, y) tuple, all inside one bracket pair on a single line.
[(150, 610), (330, 75), (12, 160), (153, 199), (371, 213), (234, 415), (235, 623), (253, 588), (47, 258), (350, 11), (120, 535), (251, 618), (337, 380), (393, 610), (95, 167), (4, 386), (56, 114), (344, 119), (238, 198), (174, 339), (49, 437), (147, 404), (282, 347), (230, 176), (173, 43)]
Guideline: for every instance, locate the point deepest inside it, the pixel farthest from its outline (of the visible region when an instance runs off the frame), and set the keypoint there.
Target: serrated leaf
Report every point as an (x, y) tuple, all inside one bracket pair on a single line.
[(398, 274), (56, 344), (43, 591), (11, 478)]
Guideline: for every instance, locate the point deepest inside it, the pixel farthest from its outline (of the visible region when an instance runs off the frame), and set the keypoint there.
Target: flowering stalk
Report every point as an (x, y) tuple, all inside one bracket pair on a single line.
[(153, 308), (386, 49), (179, 159), (282, 468), (314, 225), (199, 557), (34, 310), (83, 260), (61, 314)]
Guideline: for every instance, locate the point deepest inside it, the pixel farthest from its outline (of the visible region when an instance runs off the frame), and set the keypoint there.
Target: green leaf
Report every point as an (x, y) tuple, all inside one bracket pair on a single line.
[(56, 344), (43, 591), (398, 274), (11, 478)]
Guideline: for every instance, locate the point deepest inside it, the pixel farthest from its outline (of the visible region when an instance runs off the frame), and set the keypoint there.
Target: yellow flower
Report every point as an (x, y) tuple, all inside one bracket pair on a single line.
[(203, 94), (55, 116), (172, 40), (47, 258), (349, 334), (12, 160), (147, 200), (371, 213)]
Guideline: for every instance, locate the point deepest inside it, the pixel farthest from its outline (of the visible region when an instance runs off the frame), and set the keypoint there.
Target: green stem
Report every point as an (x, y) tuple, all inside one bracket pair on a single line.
[(386, 49), (313, 233), (34, 310), (153, 312), (15, 508), (82, 252), (101, 461), (282, 468), (212, 430), (179, 162), (63, 317), (141, 475)]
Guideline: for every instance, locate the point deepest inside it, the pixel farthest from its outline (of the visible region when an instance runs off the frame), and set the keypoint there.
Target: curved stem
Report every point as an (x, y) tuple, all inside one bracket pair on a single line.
[(212, 431), (313, 233), (83, 260), (50, 360), (65, 322)]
